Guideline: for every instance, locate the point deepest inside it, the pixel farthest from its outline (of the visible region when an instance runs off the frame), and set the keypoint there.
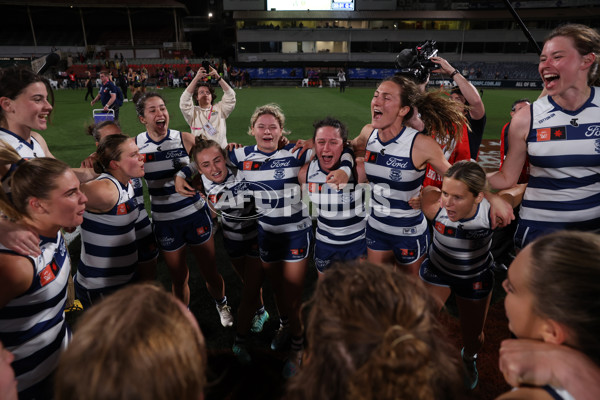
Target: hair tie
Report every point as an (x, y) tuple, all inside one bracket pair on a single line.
[(20, 162)]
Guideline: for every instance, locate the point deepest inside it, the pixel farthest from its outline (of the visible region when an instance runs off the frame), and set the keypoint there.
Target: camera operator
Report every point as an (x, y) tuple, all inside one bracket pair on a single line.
[(465, 93), (207, 119)]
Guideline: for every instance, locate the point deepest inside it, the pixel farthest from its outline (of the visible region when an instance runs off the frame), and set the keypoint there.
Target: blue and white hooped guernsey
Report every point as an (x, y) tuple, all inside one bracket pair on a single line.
[(233, 199), (162, 161), (394, 180), (108, 242), (32, 326), (143, 227), (341, 213), (273, 179), (462, 248), (24, 148), (564, 154)]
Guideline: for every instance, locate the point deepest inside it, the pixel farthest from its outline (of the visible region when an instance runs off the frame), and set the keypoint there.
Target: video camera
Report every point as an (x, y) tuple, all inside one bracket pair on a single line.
[(416, 62)]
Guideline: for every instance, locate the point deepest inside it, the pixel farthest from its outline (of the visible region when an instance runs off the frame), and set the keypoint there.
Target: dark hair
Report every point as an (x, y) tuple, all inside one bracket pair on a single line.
[(202, 144), (210, 89), (36, 177), (14, 80), (109, 149), (94, 129), (564, 278), (372, 333), (523, 100), (586, 40), (440, 114), (140, 105), (470, 173), (334, 123)]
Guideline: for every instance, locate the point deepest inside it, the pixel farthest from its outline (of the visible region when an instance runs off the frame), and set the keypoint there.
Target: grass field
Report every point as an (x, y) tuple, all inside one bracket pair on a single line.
[(302, 106)]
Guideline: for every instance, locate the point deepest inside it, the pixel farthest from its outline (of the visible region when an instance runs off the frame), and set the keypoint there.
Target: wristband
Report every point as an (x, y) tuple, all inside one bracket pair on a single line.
[(219, 79), (454, 73)]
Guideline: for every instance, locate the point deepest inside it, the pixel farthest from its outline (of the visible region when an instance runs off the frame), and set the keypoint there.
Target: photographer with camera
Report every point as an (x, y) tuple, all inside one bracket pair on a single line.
[(207, 119), (464, 92)]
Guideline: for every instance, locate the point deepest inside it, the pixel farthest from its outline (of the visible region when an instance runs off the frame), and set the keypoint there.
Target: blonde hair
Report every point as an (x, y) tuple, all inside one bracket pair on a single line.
[(135, 344), (35, 178), (373, 334), (270, 109), (470, 173)]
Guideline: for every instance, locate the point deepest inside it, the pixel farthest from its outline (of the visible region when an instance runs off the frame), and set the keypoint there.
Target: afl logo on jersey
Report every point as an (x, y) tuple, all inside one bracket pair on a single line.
[(396, 175), (279, 173), (597, 144)]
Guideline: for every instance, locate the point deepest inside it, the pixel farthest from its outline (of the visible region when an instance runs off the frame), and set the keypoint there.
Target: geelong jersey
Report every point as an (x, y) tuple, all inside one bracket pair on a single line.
[(341, 213), (162, 161), (23, 147), (108, 247), (233, 200), (273, 180), (32, 325), (143, 227), (394, 180), (462, 248), (564, 154)]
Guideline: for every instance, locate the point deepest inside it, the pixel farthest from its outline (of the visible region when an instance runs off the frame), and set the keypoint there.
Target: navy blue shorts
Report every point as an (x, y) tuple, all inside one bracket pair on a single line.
[(473, 288), (285, 246), (326, 253), (407, 249), (145, 240), (194, 229)]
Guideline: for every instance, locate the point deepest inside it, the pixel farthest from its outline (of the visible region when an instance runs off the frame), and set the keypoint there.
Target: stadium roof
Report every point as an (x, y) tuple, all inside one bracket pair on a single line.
[(98, 4)]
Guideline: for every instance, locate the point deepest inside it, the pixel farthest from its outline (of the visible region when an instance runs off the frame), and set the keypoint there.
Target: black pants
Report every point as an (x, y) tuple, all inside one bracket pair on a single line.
[(90, 92)]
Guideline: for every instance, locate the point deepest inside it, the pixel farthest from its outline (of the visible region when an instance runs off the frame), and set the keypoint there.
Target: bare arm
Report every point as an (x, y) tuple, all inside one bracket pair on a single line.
[(469, 92), (16, 276), (102, 195), (517, 151), (538, 363), (359, 143), (430, 201)]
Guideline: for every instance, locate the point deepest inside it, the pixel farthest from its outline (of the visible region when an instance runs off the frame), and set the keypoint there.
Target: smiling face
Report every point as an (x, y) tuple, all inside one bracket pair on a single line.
[(211, 164), (518, 303), (328, 147), (386, 109), (156, 116), (28, 111), (8, 383), (459, 202), (561, 66), (131, 162), (267, 133)]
